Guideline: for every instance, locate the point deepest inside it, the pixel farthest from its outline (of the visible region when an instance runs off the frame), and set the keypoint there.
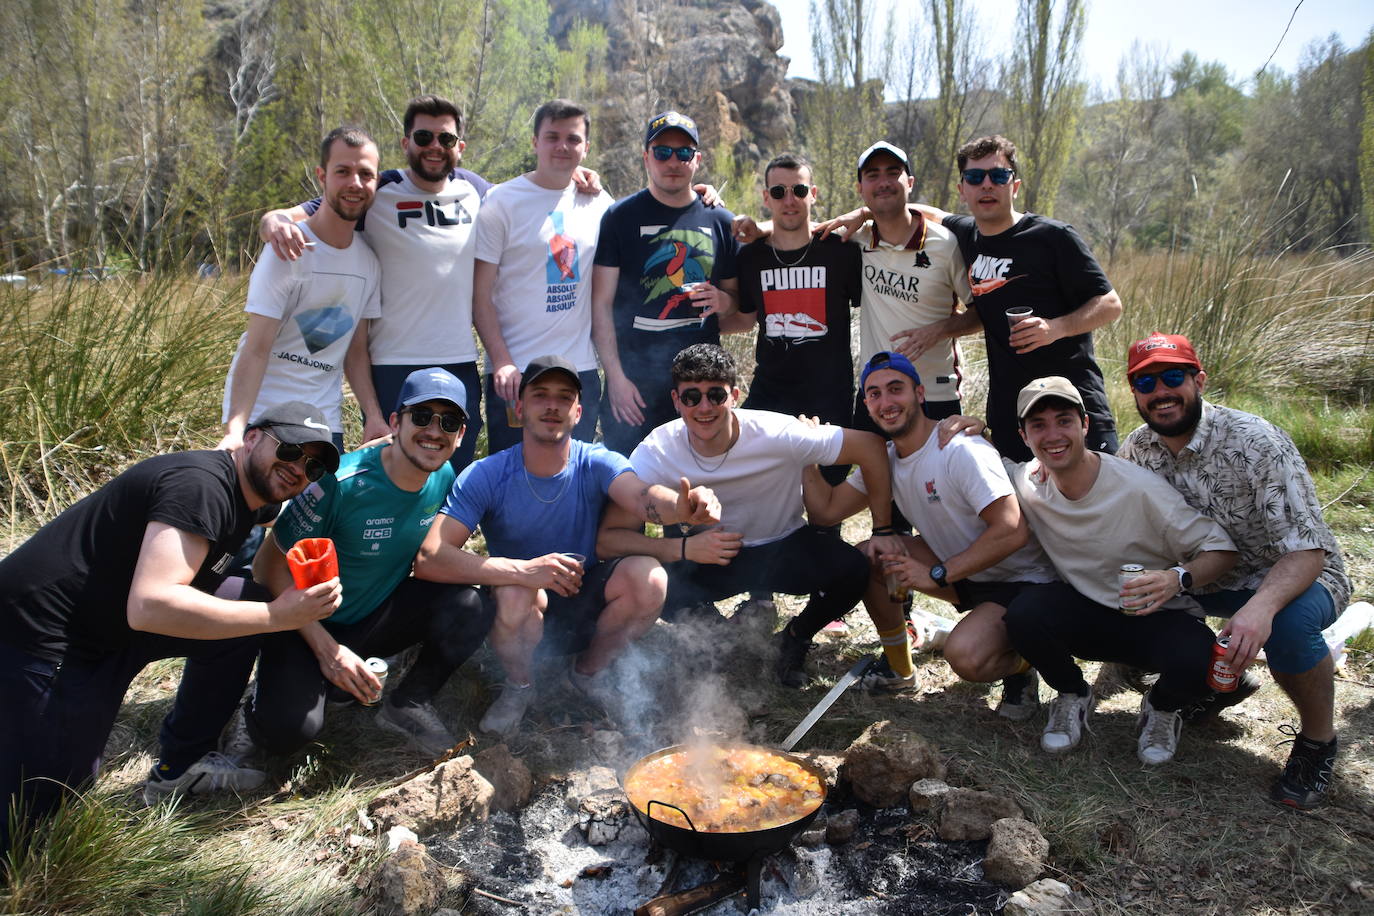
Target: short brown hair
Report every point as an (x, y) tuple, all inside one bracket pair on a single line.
[(436, 107), (987, 146), (355, 137), (557, 110)]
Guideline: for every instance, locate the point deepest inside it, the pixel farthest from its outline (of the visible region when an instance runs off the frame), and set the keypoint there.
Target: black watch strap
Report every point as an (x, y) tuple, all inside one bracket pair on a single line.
[(937, 575)]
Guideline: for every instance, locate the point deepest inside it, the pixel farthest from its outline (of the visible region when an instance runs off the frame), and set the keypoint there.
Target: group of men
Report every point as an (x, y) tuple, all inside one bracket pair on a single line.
[(1025, 533)]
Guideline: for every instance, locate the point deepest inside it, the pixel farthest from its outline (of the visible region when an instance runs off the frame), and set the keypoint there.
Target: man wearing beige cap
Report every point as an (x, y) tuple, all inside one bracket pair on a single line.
[(1093, 513), (1290, 581)]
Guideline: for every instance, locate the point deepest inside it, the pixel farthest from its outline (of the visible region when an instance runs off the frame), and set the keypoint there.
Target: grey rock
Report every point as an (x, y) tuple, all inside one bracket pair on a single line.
[(840, 828), (968, 815), (1046, 897), (1016, 853), (588, 782), (602, 815), (927, 795), (444, 798), (407, 883), (884, 761)]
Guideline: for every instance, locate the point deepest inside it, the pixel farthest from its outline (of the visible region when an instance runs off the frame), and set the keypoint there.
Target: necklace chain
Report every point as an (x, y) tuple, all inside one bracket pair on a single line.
[(805, 251), (535, 493), (697, 460)]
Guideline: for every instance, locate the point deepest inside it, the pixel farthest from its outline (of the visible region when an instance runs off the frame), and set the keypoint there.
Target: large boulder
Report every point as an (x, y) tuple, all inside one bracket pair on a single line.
[(511, 782), (884, 761), (969, 815), (1016, 853), (445, 798)]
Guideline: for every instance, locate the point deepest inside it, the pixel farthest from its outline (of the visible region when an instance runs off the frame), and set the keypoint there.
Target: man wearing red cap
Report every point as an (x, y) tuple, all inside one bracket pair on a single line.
[(1290, 581)]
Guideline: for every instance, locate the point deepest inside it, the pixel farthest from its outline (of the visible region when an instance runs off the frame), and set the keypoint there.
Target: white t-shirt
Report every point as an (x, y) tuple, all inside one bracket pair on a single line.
[(425, 241), (758, 481), (319, 299), (1129, 516), (543, 241), (942, 490), (909, 284)]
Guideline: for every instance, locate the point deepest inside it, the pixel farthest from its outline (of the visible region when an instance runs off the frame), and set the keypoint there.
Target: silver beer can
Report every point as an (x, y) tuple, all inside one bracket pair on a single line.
[(379, 668), (1128, 572)]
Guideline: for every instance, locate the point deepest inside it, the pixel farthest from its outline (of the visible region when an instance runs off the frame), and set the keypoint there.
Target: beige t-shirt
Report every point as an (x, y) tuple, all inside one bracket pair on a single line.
[(909, 284), (1129, 516)]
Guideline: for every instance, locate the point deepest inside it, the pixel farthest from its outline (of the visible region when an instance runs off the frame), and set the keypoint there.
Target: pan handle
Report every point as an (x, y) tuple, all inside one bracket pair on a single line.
[(649, 810)]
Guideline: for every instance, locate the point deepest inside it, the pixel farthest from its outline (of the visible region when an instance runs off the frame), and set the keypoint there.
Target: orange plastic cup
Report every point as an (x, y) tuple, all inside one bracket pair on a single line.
[(312, 561)]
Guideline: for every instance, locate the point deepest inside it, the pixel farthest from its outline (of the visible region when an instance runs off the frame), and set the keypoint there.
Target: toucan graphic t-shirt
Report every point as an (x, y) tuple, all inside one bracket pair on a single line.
[(319, 299), (542, 242)]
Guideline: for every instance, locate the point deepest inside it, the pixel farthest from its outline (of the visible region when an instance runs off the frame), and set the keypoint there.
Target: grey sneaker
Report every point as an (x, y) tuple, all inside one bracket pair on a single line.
[(1159, 733), (1068, 718), (236, 744), (212, 773), (503, 717), (597, 688), (1020, 696), (421, 726)]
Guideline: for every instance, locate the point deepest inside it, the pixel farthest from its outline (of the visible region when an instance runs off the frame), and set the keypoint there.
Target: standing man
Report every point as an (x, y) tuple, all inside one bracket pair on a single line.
[(799, 291), (972, 547), (538, 504), (665, 275), (532, 289), (753, 460), (134, 573), (1290, 580), (1094, 512), (308, 321), (377, 510)]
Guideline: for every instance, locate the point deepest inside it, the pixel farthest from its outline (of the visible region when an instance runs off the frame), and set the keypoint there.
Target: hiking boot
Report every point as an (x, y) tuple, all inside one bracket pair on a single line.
[(1307, 775), (1068, 718), (791, 666), (1159, 733), (882, 679), (503, 717), (1210, 706), (420, 724), (597, 688), (1020, 696), (212, 773), (236, 744)]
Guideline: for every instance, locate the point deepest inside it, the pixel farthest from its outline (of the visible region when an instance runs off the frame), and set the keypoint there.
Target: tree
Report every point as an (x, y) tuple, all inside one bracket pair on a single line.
[(1367, 137)]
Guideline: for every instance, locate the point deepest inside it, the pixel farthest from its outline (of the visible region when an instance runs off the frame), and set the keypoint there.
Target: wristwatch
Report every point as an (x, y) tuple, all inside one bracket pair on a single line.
[(1185, 578), (937, 575)]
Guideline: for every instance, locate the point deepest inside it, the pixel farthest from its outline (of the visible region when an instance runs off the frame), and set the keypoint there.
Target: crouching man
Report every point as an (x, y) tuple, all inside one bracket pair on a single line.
[(538, 503)]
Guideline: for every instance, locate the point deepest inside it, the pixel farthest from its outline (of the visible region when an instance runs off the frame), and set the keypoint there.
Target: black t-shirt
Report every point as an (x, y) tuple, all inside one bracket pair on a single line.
[(1044, 264), (65, 590), (803, 297)]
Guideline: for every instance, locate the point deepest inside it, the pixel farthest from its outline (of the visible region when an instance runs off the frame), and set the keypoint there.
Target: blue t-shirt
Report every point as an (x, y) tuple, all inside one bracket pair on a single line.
[(525, 516), (376, 526)]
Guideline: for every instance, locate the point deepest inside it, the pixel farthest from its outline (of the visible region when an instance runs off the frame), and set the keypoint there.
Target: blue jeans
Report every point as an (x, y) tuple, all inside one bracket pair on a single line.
[(1295, 643), (389, 379)]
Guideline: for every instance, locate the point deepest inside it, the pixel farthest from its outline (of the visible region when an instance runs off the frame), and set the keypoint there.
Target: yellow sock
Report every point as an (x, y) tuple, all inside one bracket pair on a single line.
[(897, 647), (1022, 667)]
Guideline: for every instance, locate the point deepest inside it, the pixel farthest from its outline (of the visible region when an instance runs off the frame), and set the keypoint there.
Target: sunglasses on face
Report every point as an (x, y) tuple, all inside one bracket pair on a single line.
[(779, 191), (664, 153), (290, 453), (423, 416), (692, 396), (1171, 378), (424, 137), (998, 175)]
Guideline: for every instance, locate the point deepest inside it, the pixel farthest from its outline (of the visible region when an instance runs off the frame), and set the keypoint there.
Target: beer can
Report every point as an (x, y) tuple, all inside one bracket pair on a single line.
[(379, 668), (1221, 677), (1128, 572)]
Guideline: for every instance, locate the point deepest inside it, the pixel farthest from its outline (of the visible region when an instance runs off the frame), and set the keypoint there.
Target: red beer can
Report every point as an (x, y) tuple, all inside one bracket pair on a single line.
[(1221, 677)]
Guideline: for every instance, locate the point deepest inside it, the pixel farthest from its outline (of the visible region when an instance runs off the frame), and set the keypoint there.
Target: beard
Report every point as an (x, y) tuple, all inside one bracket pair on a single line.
[(1192, 413), (431, 172)]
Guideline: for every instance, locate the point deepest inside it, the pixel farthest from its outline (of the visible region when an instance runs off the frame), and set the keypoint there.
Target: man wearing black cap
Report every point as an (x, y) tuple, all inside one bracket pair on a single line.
[(376, 510), (134, 573), (538, 503), (665, 275)]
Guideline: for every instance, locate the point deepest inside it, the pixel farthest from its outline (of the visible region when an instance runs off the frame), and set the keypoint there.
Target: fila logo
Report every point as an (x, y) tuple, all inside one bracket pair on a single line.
[(432, 213)]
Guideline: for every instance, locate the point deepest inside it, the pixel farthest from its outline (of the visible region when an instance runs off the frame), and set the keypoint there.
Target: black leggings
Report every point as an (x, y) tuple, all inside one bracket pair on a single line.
[(1052, 624), (449, 621)]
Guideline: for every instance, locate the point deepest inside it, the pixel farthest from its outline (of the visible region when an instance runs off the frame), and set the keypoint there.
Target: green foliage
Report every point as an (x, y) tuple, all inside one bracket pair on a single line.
[(1367, 135)]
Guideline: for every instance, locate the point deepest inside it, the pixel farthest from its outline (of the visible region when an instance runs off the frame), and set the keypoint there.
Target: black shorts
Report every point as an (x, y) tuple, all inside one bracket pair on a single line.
[(570, 623), (971, 594)]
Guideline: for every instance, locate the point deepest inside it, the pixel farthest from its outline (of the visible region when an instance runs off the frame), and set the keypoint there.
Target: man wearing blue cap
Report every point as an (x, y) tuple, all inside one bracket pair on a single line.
[(377, 511), (972, 547)]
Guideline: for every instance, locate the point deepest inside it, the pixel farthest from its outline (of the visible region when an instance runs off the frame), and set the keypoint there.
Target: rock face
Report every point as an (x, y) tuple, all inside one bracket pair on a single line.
[(511, 782), (884, 761), (407, 882), (1016, 853), (968, 814), (448, 796), (714, 60)]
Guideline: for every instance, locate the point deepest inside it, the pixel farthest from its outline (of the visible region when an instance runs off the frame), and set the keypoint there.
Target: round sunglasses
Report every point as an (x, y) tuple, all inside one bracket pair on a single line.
[(692, 396), (1171, 378), (423, 416), (290, 453), (424, 137)]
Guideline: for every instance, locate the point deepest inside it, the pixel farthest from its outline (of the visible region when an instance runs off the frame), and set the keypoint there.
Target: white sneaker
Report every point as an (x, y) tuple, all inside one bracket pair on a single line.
[(597, 688), (1068, 718), (503, 717), (420, 724), (236, 744), (212, 773), (1159, 733)]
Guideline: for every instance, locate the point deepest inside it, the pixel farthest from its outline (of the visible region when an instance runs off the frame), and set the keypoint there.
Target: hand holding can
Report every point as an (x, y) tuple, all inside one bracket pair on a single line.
[(892, 575)]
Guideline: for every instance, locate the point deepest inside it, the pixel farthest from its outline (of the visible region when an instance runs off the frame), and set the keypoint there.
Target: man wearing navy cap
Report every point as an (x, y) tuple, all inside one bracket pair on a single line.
[(136, 572), (377, 511)]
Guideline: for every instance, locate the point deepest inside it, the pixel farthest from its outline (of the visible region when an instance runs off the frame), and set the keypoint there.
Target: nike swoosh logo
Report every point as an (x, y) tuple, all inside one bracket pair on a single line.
[(313, 425)]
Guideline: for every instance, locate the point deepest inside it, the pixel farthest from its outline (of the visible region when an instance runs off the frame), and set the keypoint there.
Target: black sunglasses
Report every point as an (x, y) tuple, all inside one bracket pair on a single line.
[(290, 452), (1171, 378), (998, 175), (692, 396), (423, 416), (779, 191), (424, 137), (664, 153)]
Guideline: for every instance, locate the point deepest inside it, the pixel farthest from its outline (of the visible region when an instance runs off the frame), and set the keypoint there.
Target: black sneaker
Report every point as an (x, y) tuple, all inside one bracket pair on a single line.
[(1020, 696), (1307, 774), (882, 679), (1208, 708), (792, 651)]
